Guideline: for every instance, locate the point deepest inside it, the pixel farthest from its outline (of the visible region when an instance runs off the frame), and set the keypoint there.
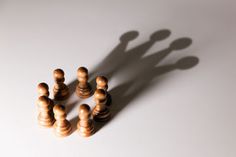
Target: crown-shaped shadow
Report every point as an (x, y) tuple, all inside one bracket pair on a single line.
[(140, 71)]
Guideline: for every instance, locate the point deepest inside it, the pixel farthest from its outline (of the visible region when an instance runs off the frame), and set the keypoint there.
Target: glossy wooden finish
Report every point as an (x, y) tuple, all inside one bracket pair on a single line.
[(85, 124), (101, 111), (83, 88), (45, 117), (43, 89), (60, 90), (102, 83), (62, 126), (55, 116)]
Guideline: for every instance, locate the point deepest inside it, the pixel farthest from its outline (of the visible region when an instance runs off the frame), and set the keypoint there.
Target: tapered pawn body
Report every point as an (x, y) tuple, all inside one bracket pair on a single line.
[(101, 112), (62, 126), (83, 88), (60, 90), (45, 117), (43, 90), (85, 125), (102, 83)]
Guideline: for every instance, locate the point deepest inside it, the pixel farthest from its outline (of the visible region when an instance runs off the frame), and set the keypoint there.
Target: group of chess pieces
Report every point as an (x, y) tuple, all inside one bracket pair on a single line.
[(54, 115)]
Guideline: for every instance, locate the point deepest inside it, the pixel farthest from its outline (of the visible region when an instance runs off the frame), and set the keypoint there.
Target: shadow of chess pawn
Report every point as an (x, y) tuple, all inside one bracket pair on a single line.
[(101, 112), (62, 126), (43, 90), (85, 125), (83, 88), (60, 90), (45, 117), (102, 83), (187, 62)]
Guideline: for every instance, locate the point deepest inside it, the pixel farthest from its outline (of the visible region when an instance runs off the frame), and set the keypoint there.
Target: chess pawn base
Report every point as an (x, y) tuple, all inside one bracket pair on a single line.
[(84, 92), (101, 116), (46, 121), (109, 100), (61, 94), (86, 130), (62, 130)]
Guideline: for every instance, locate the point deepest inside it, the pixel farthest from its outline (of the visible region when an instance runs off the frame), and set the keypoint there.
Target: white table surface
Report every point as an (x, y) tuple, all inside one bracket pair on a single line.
[(173, 96)]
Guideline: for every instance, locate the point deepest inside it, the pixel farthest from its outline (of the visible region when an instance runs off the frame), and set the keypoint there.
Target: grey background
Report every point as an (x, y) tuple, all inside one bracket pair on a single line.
[(165, 105)]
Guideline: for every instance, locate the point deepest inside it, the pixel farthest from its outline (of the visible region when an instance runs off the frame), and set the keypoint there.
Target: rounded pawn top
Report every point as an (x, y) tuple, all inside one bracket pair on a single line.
[(100, 94), (43, 100), (58, 74), (43, 89), (101, 81), (82, 72), (84, 109), (59, 110)]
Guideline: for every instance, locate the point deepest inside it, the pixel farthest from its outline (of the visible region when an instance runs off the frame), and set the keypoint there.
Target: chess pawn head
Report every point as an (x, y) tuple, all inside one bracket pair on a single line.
[(43, 103), (45, 117), (100, 96), (102, 82), (58, 75), (61, 91), (62, 126), (83, 89), (82, 74), (43, 89), (84, 112), (59, 112), (85, 124)]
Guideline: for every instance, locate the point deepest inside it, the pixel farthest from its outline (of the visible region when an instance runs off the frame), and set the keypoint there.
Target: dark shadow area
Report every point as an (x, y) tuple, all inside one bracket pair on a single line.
[(70, 106), (99, 125), (118, 58), (128, 91), (140, 72), (74, 122)]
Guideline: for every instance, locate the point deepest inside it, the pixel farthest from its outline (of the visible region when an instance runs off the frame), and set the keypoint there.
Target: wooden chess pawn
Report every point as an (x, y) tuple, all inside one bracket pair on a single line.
[(61, 91), (101, 112), (45, 117), (83, 89), (102, 83), (62, 126), (85, 125), (43, 90)]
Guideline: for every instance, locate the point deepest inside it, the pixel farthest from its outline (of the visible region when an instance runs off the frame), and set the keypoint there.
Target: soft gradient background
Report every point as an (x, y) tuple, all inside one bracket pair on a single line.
[(182, 113)]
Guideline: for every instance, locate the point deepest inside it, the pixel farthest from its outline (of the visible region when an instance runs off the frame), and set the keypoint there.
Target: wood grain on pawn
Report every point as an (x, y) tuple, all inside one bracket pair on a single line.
[(83, 88), (60, 90), (101, 112), (62, 126), (102, 83), (45, 117), (85, 125)]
